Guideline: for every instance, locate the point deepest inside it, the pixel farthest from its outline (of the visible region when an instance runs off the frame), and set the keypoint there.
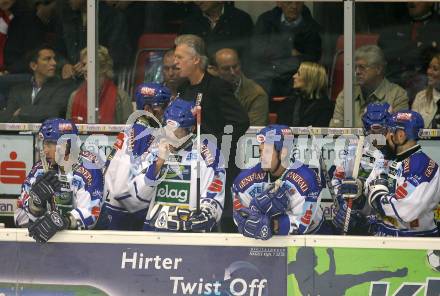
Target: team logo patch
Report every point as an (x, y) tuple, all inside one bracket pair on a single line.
[(401, 191), (119, 141), (65, 127), (172, 123), (404, 116), (216, 185), (261, 138), (56, 219), (237, 204), (264, 231), (148, 91), (162, 220)]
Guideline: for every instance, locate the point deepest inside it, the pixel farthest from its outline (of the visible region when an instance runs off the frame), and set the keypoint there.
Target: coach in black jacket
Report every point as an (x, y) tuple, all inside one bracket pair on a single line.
[(219, 105)]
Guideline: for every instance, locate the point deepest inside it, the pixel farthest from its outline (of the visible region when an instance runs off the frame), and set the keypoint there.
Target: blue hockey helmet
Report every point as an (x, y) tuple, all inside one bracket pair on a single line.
[(409, 121), (376, 116), (52, 129), (152, 94), (274, 133), (180, 114)]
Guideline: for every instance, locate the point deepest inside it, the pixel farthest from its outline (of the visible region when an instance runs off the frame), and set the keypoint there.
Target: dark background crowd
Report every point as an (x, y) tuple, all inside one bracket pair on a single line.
[(285, 66)]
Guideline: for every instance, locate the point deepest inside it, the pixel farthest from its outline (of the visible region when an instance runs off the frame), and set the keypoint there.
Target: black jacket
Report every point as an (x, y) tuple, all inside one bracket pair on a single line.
[(25, 33), (72, 35), (51, 101), (298, 110), (219, 106), (273, 42), (272, 64), (404, 54), (233, 30)]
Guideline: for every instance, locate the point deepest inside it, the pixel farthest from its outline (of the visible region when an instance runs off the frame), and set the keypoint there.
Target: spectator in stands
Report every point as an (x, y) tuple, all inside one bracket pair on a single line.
[(308, 104), (134, 14), (19, 34), (46, 12), (284, 37), (43, 96), (427, 102), (371, 86), (252, 97), (169, 72), (220, 108), (408, 47), (72, 33), (220, 25), (114, 104)]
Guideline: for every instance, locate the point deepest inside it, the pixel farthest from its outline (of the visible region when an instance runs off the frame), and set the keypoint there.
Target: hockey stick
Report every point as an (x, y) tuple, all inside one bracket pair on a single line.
[(357, 162), (322, 165), (199, 122)]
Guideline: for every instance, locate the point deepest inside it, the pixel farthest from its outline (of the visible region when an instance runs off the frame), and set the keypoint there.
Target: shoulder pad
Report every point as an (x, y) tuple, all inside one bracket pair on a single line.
[(248, 177), (304, 178)]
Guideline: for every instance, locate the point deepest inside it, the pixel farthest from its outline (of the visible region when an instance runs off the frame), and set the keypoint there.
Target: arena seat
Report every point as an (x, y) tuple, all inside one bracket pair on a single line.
[(337, 70), (149, 45)]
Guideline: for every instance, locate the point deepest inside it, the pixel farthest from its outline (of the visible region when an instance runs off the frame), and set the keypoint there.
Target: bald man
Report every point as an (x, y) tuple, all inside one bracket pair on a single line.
[(251, 95)]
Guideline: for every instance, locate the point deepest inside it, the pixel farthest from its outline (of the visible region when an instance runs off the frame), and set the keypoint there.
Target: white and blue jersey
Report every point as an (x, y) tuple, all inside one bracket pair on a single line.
[(414, 192), (126, 196), (80, 194), (176, 183), (303, 213), (371, 157)]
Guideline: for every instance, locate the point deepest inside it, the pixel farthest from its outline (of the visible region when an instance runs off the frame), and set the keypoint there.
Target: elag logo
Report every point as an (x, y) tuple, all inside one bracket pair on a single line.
[(12, 171)]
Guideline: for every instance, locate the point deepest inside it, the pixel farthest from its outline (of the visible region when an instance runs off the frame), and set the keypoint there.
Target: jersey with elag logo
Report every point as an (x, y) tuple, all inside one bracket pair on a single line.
[(176, 183), (303, 214), (125, 192), (80, 194)]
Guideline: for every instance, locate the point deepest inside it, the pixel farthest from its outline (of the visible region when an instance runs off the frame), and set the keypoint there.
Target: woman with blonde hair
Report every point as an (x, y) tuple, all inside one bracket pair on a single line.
[(114, 104), (308, 104), (427, 101)]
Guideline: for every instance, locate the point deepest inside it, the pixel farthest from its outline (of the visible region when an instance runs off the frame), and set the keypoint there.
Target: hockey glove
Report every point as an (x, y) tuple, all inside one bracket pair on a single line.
[(253, 224), (46, 226), (203, 220), (377, 189), (340, 213), (44, 188), (271, 203), (170, 218)]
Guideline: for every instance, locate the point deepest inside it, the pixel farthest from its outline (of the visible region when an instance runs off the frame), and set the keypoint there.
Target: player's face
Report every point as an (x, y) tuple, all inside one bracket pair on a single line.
[(157, 111), (45, 65), (49, 149), (298, 81), (395, 139), (268, 157), (185, 60), (433, 73)]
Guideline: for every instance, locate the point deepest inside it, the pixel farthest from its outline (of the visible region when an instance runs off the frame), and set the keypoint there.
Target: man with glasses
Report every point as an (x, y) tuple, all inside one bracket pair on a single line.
[(252, 97), (370, 86)]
